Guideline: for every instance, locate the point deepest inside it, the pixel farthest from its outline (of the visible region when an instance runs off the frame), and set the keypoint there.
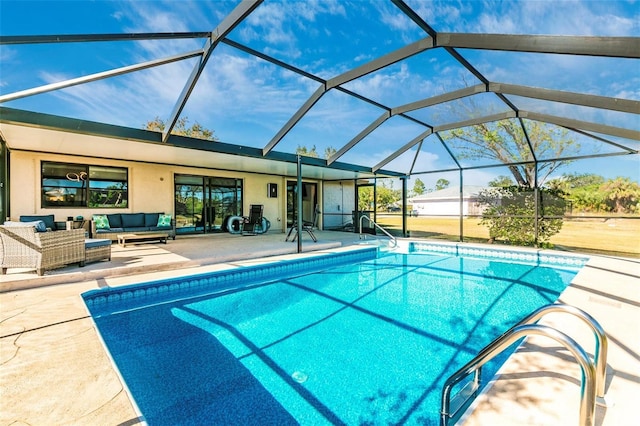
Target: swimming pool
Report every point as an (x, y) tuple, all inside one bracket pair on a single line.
[(359, 338)]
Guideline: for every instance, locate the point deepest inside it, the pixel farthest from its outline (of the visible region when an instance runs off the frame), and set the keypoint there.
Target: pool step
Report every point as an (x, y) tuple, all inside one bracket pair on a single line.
[(463, 399)]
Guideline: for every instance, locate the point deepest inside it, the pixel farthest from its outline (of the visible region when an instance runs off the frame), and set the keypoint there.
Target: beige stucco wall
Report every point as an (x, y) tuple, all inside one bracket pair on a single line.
[(151, 187), (255, 192), (339, 202)]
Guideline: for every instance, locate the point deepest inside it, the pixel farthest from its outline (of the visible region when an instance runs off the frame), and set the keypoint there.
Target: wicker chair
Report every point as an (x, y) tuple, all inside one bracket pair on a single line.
[(23, 247)]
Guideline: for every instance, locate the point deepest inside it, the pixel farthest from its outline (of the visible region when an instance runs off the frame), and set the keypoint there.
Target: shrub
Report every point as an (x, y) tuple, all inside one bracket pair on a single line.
[(510, 214)]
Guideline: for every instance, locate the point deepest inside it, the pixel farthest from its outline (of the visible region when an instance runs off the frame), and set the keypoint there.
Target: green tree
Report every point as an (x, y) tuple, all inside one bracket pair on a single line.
[(182, 128), (588, 199), (386, 197), (442, 184), (418, 187), (501, 181), (582, 189), (572, 181), (329, 151), (590, 192), (505, 141), (621, 195), (303, 150), (365, 198), (578, 180)]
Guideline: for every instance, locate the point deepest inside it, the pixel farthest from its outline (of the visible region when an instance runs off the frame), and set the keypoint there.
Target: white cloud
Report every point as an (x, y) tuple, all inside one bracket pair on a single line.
[(393, 17), (278, 23), (152, 17), (267, 23), (118, 15), (566, 17), (363, 57), (95, 101), (130, 99), (393, 82), (7, 53)]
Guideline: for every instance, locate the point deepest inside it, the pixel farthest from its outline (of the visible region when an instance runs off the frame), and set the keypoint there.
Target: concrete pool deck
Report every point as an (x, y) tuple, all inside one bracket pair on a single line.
[(56, 371)]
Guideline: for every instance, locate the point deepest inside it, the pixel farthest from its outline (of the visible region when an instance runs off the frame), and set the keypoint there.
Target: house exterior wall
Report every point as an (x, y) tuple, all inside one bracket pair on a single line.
[(470, 206), (439, 207), (339, 201), (254, 191), (151, 188)]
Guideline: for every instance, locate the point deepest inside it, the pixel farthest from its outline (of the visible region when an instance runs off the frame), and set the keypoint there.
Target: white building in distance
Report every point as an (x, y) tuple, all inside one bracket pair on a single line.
[(446, 202)]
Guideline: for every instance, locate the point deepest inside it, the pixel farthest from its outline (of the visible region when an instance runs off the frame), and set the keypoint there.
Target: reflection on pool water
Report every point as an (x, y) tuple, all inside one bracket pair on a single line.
[(361, 343)]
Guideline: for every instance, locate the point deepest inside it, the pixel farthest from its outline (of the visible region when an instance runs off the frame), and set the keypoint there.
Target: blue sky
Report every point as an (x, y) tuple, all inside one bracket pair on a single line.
[(247, 100)]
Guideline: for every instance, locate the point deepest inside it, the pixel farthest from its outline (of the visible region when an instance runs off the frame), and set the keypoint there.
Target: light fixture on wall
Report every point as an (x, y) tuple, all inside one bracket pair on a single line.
[(272, 190)]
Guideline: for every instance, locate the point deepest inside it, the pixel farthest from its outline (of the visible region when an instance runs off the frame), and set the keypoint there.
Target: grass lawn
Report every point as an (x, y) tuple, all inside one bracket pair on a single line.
[(611, 236)]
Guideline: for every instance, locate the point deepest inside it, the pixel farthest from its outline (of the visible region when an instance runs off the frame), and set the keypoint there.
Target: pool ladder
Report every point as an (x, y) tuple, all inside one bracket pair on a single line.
[(593, 372), (384, 231)]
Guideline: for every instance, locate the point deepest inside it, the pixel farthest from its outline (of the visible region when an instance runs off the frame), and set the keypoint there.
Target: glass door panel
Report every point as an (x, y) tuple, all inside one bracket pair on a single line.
[(225, 200), (366, 207), (309, 201), (188, 206)]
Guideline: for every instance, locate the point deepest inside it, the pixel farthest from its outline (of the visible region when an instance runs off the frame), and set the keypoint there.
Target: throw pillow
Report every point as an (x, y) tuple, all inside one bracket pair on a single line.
[(39, 225), (164, 220), (101, 220)]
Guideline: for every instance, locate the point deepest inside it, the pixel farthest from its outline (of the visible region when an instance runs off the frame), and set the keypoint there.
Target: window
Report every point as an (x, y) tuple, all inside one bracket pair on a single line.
[(79, 185)]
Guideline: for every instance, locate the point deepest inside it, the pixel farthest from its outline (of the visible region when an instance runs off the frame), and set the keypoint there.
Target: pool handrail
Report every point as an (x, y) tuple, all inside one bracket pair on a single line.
[(490, 351), (384, 231)]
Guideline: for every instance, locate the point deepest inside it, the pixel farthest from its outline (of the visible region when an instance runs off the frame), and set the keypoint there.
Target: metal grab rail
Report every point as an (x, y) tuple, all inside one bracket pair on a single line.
[(588, 370), (602, 343), (594, 372), (395, 241)]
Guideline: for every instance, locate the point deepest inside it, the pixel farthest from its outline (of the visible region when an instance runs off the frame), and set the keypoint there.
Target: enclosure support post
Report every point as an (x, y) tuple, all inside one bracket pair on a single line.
[(461, 216), (404, 206), (536, 194), (299, 204)]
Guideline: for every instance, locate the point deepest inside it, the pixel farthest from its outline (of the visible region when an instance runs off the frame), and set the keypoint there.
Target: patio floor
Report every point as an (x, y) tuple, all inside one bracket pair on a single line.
[(55, 369)]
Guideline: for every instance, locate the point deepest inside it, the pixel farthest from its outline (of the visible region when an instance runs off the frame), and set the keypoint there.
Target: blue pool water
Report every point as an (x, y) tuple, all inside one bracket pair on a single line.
[(363, 343)]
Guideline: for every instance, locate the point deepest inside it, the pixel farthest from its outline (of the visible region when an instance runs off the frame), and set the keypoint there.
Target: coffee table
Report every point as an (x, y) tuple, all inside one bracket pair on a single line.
[(147, 236)]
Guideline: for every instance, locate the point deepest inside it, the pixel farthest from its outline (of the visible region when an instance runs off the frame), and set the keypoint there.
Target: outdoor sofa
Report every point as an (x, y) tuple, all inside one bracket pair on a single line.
[(23, 246), (110, 225)]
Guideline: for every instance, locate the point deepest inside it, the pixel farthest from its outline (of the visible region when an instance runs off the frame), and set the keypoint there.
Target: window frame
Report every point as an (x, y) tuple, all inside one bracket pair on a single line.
[(79, 185)]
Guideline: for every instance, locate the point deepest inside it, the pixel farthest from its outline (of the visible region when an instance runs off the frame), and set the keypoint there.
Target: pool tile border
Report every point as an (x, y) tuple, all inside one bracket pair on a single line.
[(528, 256), (105, 301), (109, 300)]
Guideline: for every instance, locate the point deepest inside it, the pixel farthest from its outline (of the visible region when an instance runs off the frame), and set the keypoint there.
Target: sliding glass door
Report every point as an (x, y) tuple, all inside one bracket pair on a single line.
[(204, 203)]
